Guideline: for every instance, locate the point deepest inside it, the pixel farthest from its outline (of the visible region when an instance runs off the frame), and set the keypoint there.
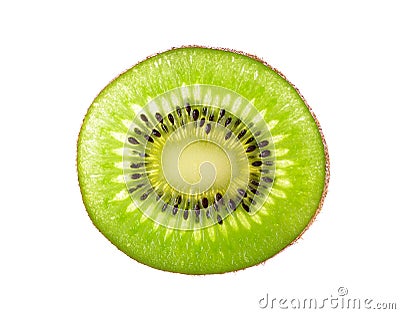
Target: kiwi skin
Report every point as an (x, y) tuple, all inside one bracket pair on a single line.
[(327, 159)]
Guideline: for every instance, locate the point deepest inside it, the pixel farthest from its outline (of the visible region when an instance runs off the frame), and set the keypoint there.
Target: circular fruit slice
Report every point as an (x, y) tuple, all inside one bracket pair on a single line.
[(201, 161)]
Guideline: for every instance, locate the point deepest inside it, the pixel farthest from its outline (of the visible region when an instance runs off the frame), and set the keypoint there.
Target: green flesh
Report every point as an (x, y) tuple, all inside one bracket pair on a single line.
[(243, 239)]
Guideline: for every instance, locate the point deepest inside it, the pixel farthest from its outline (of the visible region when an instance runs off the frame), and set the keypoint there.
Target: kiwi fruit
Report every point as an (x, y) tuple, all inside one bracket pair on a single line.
[(201, 160)]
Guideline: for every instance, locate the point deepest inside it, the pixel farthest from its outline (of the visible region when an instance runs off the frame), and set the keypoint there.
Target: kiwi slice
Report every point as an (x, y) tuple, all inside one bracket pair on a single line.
[(200, 160)]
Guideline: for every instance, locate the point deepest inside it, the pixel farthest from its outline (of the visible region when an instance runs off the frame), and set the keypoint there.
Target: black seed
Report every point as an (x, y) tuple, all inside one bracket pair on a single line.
[(237, 122), (242, 192), (208, 128), (159, 117), (136, 188), (215, 205), (254, 182), (197, 209), (204, 202), (136, 176), (202, 121), (263, 143), (267, 179), (208, 213), (132, 140), (185, 214), (255, 191), (252, 201), (241, 134), (164, 207), (250, 149), (218, 197), (178, 111), (159, 195), (171, 118), (269, 163), (265, 153), (174, 210), (211, 118), (187, 107), (228, 135), (245, 207), (219, 219), (195, 114), (137, 131), (251, 139), (257, 133), (227, 121), (156, 133), (143, 155), (144, 196), (138, 165), (204, 110), (232, 205), (164, 127), (251, 124), (257, 163), (150, 139), (221, 114), (144, 118), (178, 200)]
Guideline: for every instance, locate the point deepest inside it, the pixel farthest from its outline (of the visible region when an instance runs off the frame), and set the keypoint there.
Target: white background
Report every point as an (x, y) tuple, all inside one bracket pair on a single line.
[(56, 57)]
